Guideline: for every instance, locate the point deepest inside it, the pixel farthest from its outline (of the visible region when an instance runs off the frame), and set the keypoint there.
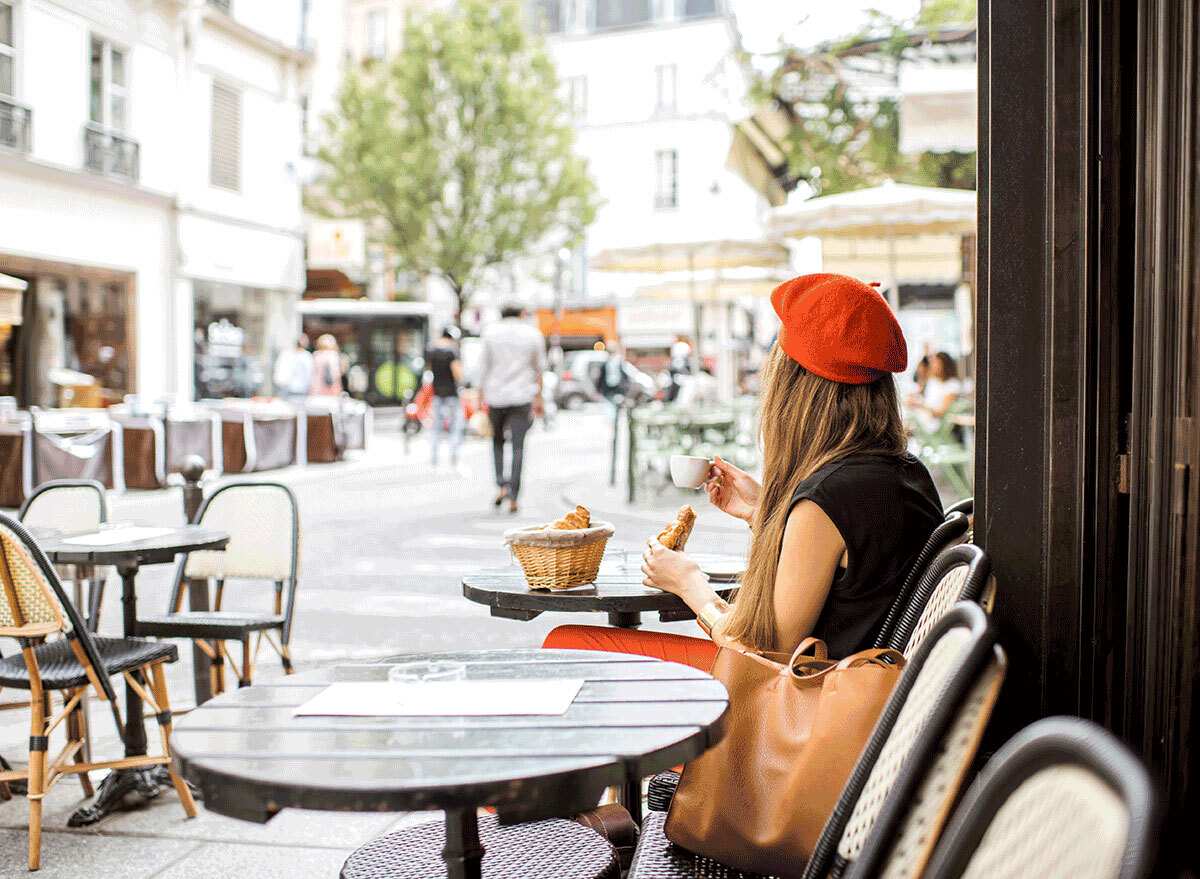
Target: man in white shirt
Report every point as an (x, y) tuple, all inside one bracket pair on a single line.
[(512, 360), (293, 372)]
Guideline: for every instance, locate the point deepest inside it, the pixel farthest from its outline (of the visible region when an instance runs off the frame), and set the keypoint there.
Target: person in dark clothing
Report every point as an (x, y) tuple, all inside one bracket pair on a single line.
[(442, 362), (843, 510)]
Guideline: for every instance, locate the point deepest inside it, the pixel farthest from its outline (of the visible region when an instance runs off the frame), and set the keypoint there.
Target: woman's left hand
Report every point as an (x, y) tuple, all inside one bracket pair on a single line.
[(667, 569)]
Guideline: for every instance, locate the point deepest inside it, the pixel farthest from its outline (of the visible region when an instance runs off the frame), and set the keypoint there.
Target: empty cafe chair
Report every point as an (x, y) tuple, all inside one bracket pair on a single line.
[(263, 522), (1064, 799), (960, 573), (58, 653), (70, 507)]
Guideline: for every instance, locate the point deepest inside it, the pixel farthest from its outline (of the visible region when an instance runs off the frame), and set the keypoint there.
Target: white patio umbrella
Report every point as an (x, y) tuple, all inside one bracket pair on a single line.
[(715, 255), (887, 211)]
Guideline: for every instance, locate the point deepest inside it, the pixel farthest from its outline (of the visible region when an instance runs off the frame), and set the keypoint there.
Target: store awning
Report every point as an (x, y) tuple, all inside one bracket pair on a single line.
[(939, 108), (756, 154), (881, 211), (693, 256)]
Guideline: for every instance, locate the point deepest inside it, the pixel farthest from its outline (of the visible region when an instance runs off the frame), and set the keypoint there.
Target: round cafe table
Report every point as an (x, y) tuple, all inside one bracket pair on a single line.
[(616, 591), (634, 716)]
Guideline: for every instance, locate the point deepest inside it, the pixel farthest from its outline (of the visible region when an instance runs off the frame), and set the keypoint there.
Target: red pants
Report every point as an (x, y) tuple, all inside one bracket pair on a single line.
[(696, 652)]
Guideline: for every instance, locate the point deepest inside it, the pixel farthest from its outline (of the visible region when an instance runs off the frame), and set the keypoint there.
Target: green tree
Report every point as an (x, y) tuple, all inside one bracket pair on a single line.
[(460, 149), (843, 102)]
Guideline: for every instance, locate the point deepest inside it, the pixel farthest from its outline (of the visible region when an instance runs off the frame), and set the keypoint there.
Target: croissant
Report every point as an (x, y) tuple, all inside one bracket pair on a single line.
[(675, 535), (575, 520)]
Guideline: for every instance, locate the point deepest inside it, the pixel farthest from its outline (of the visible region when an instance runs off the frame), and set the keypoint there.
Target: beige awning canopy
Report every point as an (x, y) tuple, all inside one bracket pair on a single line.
[(691, 256), (715, 289), (881, 211)]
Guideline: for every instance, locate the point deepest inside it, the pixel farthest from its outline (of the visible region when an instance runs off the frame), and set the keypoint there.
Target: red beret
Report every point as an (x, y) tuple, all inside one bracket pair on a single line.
[(839, 328)]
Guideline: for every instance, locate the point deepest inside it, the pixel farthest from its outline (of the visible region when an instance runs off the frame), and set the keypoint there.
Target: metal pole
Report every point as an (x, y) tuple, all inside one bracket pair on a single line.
[(197, 590)]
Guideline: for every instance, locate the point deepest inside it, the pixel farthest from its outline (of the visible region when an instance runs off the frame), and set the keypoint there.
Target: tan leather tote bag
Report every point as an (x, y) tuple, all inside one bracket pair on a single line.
[(757, 801)]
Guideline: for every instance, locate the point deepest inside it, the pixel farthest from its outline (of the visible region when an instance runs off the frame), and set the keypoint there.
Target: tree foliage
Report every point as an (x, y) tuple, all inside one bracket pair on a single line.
[(460, 147), (844, 99)]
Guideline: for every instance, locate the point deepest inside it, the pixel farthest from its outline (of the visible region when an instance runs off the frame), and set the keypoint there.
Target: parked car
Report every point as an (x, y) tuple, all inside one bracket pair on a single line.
[(580, 380)]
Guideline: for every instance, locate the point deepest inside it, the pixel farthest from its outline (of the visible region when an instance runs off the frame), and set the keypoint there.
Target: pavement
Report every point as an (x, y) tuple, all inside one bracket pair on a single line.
[(385, 542)]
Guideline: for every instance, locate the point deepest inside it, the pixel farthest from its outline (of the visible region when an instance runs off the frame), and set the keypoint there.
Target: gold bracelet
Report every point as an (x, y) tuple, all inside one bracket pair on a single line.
[(710, 615)]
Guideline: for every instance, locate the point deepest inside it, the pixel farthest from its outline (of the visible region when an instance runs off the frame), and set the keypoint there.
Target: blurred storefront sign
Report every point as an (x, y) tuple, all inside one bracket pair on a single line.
[(653, 323), (337, 244)]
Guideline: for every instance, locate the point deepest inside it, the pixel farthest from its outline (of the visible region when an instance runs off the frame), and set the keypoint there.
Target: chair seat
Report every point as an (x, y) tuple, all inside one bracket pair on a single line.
[(657, 857), (555, 849), (215, 624), (60, 670)]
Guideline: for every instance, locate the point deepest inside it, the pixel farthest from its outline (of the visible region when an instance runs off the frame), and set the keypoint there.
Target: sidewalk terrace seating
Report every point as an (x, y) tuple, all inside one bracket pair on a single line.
[(655, 432), (160, 436), (143, 443), (943, 447)]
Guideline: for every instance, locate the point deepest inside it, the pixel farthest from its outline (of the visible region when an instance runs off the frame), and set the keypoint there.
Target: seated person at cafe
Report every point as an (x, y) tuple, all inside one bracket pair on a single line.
[(843, 509)]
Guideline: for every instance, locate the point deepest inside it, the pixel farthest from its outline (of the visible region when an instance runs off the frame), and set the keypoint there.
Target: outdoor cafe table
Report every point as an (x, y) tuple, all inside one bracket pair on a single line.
[(128, 556), (634, 716), (617, 591)]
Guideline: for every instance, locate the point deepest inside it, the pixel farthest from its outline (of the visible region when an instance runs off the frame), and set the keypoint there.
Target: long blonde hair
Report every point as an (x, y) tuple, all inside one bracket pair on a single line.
[(805, 423)]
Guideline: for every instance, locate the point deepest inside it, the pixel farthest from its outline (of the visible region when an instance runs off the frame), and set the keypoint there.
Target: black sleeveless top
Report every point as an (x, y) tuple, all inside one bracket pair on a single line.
[(885, 509)]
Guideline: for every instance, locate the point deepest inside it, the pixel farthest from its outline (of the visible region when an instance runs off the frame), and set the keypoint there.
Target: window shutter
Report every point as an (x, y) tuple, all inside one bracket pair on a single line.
[(225, 169)]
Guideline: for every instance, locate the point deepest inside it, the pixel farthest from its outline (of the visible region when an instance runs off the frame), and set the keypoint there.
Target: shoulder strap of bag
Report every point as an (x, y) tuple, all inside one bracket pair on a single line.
[(873, 657), (816, 645)]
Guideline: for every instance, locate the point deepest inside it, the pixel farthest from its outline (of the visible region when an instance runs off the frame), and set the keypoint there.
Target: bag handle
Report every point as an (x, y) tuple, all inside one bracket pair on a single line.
[(873, 657), (816, 645)]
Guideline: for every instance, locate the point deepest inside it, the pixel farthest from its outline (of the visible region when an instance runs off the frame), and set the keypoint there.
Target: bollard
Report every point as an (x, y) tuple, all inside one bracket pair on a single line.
[(197, 590)]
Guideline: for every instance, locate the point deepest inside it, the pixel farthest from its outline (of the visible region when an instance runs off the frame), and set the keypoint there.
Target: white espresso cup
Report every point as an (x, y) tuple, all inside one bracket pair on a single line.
[(689, 471)]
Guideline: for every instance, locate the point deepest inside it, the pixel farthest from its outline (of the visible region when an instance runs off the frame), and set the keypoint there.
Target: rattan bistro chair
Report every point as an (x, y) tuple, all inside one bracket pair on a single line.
[(947, 534), (263, 522), (34, 609), (70, 507), (960, 573), (1062, 800), (942, 682)]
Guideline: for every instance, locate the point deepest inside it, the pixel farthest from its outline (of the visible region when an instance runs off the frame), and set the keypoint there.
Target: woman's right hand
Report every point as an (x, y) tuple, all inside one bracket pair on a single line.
[(731, 490)]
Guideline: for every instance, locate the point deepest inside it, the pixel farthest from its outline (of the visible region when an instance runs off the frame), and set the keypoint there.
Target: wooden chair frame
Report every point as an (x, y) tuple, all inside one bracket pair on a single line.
[(43, 773)]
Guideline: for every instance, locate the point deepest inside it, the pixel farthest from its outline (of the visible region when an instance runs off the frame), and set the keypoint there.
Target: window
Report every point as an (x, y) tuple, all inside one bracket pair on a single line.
[(577, 95), (377, 34), (622, 13), (666, 179), (666, 77), (699, 8), (225, 168), (8, 51), (107, 95)]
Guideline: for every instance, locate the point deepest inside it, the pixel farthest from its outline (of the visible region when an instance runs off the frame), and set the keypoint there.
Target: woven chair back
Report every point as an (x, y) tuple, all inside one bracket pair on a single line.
[(907, 828), (35, 603), (959, 573), (1062, 800), (947, 534), (69, 506), (263, 526), (930, 692)]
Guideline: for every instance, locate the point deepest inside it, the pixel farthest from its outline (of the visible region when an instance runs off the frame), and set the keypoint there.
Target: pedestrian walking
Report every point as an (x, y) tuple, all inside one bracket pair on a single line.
[(446, 370), (512, 360), (613, 381), (294, 371), (327, 368)]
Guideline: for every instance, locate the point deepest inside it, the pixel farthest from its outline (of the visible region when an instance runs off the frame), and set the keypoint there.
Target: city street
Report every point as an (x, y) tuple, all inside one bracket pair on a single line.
[(385, 542)]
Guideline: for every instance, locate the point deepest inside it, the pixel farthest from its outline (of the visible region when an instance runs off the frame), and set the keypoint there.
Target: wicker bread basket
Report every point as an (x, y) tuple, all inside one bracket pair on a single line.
[(553, 559)]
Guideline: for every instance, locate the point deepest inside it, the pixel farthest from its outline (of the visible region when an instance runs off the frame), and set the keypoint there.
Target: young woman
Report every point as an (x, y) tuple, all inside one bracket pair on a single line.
[(843, 509)]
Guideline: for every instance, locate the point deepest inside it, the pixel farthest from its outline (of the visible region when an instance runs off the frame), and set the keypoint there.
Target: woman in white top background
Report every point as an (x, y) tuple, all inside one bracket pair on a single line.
[(942, 388)]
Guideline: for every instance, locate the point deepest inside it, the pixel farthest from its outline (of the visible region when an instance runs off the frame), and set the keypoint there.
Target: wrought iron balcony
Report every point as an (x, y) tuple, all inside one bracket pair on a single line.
[(14, 125), (110, 153)]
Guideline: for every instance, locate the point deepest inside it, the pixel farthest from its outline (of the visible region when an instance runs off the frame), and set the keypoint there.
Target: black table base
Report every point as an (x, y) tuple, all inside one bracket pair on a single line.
[(146, 781), (463, 853)]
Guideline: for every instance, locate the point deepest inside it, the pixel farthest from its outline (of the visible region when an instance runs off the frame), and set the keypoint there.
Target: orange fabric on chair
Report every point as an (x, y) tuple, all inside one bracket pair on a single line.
[(696, 652)]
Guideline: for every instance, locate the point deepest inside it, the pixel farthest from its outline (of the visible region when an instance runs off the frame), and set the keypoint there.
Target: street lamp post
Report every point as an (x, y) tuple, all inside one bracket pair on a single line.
[(561, 261)]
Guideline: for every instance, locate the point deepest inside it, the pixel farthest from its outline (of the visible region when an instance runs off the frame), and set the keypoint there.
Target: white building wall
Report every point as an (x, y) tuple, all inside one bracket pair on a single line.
[(170, 220)]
